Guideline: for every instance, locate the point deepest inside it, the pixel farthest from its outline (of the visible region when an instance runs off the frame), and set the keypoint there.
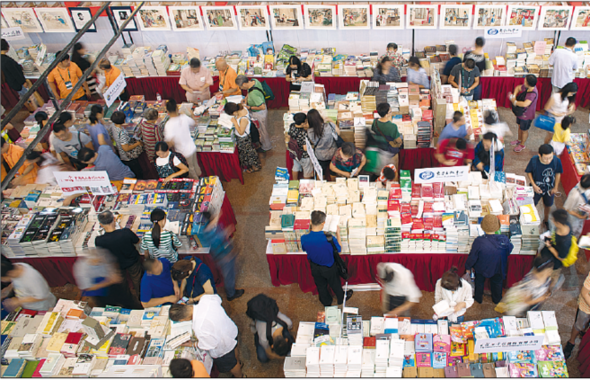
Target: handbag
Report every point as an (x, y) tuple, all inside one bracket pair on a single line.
[(135, 152), (340, 264), (336, 136), (545, 122), (517, 110), (391, 148)]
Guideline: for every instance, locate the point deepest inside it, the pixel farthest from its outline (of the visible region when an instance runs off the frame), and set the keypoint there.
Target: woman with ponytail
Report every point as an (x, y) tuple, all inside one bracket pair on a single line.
[(456, 292), (96, 130), (385, 72), (160, 243)]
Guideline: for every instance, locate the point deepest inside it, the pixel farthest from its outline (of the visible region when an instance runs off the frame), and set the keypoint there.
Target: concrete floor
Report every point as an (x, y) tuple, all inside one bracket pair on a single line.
[(250, 204)]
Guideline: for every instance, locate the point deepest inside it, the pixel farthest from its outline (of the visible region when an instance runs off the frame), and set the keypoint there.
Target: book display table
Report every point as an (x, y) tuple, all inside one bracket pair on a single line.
[(224, 165)]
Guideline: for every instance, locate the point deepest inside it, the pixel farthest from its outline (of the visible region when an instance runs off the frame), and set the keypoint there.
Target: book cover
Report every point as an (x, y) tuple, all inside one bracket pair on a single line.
[(552, 369), (15, 368), (451, 372), (439, 359), (463, 370), (522, 370), (30, 368), (489, 370), (423, 342), (521, 357), (457, 349), (423, 359), (476, 369), (549, 353), (441, 343), (38, 368)]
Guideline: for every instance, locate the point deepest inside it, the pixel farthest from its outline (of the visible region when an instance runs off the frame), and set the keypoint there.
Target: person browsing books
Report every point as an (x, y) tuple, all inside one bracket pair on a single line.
[(177, 134), (195, 279), (169, 164), (184, 369), (465, 77), (386, 135), (389, 174), (196, 79), (348, 161), (456, 292), (67, 144), (454, 61), (456, 129), (558, 247), (30, 288), (297, 72), (160, 243), (255, 102), (105, 159), (227, 79), (582, 320), (295, 139), (527, 105), (578, 197), (454, 152), (482, 156), (323, 136), (399, 287), (157, 287)]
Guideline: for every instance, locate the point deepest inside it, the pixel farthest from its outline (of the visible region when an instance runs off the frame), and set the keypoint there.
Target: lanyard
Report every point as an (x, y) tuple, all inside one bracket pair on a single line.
[(194, 278), (62, 78)]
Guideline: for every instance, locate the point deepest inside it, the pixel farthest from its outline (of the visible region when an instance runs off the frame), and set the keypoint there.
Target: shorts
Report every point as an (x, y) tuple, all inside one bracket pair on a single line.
[(304, 165), (547, 199), (227, 362), (524, 125), (582, 320)]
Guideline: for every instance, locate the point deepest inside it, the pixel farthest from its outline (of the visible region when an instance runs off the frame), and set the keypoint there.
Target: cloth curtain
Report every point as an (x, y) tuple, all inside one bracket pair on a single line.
[(584, 356), (224, 165), (10, 97)]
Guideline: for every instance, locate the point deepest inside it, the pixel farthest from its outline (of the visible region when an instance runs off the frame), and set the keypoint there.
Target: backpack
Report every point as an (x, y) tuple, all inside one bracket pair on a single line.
[(264, 308), (266, 91), (572, 255), (521, 97), (340, 264), (180, 157)]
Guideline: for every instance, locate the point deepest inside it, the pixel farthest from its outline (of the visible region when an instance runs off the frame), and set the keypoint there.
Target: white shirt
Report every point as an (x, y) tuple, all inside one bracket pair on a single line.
[(177, 130), (32, 284), (164, 161), (247, 130), (215, 331), (559, 106), (463, 294), (564, 62), (403, 283), (575, 199)]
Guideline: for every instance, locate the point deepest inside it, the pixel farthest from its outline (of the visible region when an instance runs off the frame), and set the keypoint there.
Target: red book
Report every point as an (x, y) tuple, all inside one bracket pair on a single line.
[(416, 190), (370, 342), (405, 208), (74, 338), (36, 373)]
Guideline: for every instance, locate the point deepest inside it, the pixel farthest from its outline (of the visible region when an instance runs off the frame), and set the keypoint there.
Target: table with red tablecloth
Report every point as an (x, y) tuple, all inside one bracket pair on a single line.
[(58, 270), (427, 268), (584, 356), (224, 165)]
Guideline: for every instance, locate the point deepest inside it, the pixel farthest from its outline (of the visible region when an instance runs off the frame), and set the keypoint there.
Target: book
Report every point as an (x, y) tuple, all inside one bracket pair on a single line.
[(423, 359), (15, 368), (439, 359)]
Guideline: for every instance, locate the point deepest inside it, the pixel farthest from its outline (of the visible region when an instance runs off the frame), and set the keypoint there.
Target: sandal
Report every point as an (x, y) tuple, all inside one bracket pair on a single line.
[(249, 171)]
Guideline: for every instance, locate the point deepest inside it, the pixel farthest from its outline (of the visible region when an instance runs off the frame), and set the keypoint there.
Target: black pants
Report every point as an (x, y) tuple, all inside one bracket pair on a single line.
[(325, 168), (118, 295), (324, 276), (135, 168), (495, 283)]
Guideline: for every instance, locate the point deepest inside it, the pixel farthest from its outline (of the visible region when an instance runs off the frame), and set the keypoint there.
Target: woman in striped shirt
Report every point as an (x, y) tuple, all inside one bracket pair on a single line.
[(150, 133), (159, 243)]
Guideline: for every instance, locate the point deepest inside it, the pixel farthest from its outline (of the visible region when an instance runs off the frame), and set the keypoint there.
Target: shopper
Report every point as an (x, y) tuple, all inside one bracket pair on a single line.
[(184, 368), (385, 72), (41, 118), (558, 247), (222, 251), (160, 243), (348, 161), (577, 197), (482, 156), (13, 74), (157, 287), (227, 79), (388, 175), (465, 77), (396, 58), (454, 61), (457, 292), (562, 103), (177, 133), (544, 173), (97, 131), (170, 164), (582, 318), (121, 242), (565, 63), (297, 72), (195, 279), (456, 129), (150, 132), (255, 102), (11, 154), (249, 160), (479, 57), (386, 135), (129, 149), (320, 253), (79, 58), (561, 134), (400, 293), (489, 259), (214, 330), (47, 166), (30, 288), (105, 159), (323, 136), (67, 120), (111, 74), (196, 80), (524, 103), (98, 276), (296, 140), (67, 144), (64, 77), (416, 74), (454, 152)]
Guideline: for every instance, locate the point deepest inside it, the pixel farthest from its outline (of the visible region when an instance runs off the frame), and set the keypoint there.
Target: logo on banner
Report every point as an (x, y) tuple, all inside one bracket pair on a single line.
[(503, 31), (426, 175), (493, 32)]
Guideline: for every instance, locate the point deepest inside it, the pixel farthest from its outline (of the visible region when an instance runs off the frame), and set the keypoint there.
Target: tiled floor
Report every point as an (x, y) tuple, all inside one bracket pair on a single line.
[(250, 203)]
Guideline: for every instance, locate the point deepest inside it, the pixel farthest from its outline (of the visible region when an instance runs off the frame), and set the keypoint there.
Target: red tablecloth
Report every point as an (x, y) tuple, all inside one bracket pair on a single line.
[(10, 97), (584, 356), (427, 268), (224, 165)]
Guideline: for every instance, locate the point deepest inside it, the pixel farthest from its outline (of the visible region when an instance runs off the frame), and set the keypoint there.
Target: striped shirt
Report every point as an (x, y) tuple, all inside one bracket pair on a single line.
[(168, 242), (150, 134)]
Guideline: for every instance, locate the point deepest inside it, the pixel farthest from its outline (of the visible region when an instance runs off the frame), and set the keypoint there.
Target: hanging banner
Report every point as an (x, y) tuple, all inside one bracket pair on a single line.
[(13, 34), (503, 32), (114, 90), (513, 343), (314, 161), (431, 175), (91, 182)]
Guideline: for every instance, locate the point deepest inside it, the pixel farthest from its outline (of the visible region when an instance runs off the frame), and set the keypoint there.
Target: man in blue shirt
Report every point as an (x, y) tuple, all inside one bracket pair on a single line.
[(106, 160), (157, 287), (450, 64), (456, 129), (320, 254)]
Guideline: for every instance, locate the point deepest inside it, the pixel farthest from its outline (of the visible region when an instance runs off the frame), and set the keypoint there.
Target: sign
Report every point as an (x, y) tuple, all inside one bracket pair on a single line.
[(13, 34), (91, 182), (513, 343), (314, 161), (540, 47), (114, 90), (431, 175), (503, 31)]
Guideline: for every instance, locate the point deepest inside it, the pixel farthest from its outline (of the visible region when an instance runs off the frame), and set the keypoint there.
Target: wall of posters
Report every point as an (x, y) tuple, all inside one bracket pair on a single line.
[(455, 16), (555, 17), (186, 18), (422, 16), (253, 17), (220, 18), (153, 19), (388, 16), (286, 17), (320, 17), (122, 14), (80, 17), (489, 15), (25, 18), (523, 15), (581, 19), (354, 17), (55, 20)]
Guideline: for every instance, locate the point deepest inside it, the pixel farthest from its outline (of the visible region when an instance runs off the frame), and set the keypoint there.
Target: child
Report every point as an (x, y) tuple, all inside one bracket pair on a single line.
[(561, 134), (544, 173), (388, 175)]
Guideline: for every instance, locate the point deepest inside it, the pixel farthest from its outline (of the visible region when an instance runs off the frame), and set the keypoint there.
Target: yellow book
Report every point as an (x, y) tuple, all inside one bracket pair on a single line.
[(56, 342), (50, 322)]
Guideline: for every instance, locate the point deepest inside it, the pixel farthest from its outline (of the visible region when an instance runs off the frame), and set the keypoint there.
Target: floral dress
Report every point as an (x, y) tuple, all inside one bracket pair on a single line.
[(248, 156)]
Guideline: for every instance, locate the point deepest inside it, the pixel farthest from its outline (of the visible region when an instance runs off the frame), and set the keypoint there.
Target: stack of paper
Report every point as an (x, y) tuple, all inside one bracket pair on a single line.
[(368, 364), (327, 361), (381, 357), (355, 361), (294, 366), (312, 362), (341, 361)]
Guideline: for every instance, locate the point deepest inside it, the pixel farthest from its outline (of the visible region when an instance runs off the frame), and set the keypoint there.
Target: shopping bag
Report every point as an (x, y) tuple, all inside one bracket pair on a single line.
[(544, 122)]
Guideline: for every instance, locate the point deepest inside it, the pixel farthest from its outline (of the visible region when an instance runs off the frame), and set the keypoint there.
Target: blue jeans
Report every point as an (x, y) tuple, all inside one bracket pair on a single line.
[(227, 266), (477, 92), (260, 351)]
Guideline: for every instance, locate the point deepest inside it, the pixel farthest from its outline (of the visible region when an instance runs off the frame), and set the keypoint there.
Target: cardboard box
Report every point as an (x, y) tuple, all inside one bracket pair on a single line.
[(489, 370), (463, 370), (439, 372), (410, 372), (425, 372)]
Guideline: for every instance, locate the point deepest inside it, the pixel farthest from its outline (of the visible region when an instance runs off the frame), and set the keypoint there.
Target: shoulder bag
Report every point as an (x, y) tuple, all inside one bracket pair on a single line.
[(340, 264), (391, 148)]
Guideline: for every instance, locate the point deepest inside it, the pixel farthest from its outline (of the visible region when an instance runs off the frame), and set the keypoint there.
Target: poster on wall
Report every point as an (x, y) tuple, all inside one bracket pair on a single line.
[(253, 17), (186, 19), (286, 17), (153, 19), (581, 19), (354, 17), (3, 23), (122, 14), (489, 16), (55, 20), (388, 16), (455, 16), (524, 15), (220, 18), (23, 17), (80, 17), (555, 17), (421, 16), (320, 16)]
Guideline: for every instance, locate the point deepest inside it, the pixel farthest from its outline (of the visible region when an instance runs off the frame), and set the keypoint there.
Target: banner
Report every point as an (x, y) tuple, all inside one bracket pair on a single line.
[(503, 32), (91, 182), (114, 90), (513, 343), (314, 161), (13, 34), (431, 175)]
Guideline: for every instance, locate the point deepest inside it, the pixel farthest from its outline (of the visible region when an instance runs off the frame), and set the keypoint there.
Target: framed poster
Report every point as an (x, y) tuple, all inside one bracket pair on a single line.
[(354, 16), (253, 17), (186, 19), (121, 14), (220, 18), (286, 17), (421, 16), (23, 17), (80, 17), (388, 16), (3, 23), (555, 17), (153, 19), (320, 16), (55, 20), (523, 15), (455, 16), (581, 19), (489, 16)]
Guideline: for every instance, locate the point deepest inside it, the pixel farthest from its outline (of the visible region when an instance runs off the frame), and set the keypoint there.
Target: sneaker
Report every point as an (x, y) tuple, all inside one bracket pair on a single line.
[(546, 224), (348, 294), (515, 142), (519, 148), (238, 294), (567, 351)]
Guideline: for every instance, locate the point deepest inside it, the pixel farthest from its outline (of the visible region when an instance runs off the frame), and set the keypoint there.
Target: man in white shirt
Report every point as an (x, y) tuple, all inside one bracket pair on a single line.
[(177, 134), (564, 62), (577, 197), (400, 288), (214, 330), (30, 288)]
